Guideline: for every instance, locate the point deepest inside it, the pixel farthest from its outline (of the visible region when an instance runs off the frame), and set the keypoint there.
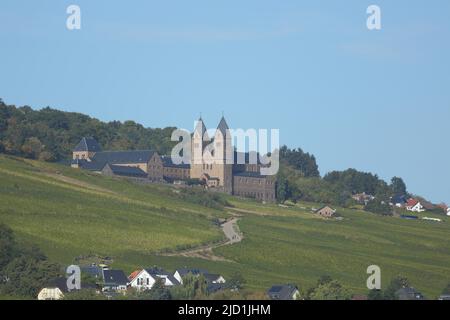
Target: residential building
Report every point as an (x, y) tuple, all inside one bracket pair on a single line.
[(146, 278), (399, 200), (326, 212), (414, 205), (284, 292), (409, 294), (54, 291), (114, 280), (212, 280)]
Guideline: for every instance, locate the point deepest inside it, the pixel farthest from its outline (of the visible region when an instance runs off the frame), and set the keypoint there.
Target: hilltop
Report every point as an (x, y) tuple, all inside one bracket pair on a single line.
[(50, 135)]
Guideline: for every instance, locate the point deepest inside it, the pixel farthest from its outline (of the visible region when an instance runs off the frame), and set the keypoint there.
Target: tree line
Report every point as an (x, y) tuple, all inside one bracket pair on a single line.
[(51, 135), (24, 270)]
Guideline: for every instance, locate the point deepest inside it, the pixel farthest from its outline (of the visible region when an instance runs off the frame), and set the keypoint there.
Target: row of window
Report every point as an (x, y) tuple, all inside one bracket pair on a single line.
[(256, 195), (259, 181)]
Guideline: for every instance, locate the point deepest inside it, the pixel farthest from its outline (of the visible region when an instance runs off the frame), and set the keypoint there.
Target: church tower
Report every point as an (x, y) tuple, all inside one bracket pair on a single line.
[(224, 156), (199, 142), (86, 149)]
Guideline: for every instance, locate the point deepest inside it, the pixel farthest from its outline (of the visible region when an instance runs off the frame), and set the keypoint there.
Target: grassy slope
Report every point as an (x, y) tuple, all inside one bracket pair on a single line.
[(68, 212), (294, 245), (74, 212)]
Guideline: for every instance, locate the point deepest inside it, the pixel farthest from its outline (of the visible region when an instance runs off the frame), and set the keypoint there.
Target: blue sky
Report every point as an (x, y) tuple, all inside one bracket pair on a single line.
[(376, 101)]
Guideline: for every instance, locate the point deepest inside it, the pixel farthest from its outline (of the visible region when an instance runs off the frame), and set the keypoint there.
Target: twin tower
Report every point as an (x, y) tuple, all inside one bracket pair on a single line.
[(213, 157)]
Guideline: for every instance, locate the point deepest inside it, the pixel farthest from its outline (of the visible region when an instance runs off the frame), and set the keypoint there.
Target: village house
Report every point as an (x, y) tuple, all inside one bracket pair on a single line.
[(409, 294), (398, 200), (54, 291), (209, 277), (326, 212), (240, 179), (414, 205), (114, 281), (445, 209), (146, 278), (284, 292)]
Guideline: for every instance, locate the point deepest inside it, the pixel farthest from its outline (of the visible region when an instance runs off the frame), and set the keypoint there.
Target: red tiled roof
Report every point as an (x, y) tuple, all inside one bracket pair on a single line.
[(412, 202), (133, 275)]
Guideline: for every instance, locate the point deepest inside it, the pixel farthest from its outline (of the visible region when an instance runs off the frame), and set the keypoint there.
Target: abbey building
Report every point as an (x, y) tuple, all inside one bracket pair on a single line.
[(232, 176)]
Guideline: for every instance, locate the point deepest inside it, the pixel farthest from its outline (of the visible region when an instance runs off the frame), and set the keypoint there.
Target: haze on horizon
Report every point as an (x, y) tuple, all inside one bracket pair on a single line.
[(377, 101)]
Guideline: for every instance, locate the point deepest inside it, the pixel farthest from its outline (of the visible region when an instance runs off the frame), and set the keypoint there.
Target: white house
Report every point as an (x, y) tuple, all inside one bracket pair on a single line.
[(146, 278), (54, 290), (50, 294), (209, 277), (448, 212), (414, 206)]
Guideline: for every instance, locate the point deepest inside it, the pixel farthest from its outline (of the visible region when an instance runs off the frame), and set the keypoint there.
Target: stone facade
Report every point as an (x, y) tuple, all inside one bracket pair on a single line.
[(218, 171)]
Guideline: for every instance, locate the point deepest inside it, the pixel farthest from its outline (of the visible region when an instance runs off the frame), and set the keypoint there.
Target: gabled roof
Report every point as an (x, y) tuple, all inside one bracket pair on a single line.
[(399, 199), (282, 292), (60, 283), (320, 209), (161, 273), (427, 205), (215, 287), (200, 127), (211, 277), (87, 144), (127, 171), (89, 165), (223, 126), (412, 202), (123, 157), (134, 274), (115, 277), (185, 271)]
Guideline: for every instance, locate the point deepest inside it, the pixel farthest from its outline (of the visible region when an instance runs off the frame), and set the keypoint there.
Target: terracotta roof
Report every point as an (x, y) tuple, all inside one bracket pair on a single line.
[(134, 275), (412, 202)]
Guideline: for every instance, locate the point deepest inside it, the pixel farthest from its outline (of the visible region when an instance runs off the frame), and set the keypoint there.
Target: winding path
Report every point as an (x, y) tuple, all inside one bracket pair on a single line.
[(231, 230)]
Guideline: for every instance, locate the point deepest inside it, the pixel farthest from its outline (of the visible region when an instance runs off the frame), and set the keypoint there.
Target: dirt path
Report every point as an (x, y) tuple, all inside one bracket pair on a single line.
[(231, 230)]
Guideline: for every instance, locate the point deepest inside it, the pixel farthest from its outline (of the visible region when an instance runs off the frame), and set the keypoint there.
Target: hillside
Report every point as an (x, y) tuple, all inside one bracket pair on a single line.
[(68, 213)]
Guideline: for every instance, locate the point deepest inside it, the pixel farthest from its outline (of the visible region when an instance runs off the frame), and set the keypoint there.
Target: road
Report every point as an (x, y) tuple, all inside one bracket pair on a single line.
[(231, 230)]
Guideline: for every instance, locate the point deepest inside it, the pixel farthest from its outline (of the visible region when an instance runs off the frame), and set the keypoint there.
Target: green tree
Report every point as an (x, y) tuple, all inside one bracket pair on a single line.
[(375, 295), (330, 290), (236, 282), (32, 148), (446, 291), (157, 292), (396, 284), (8, 248), (378, 207), (26, 275), (398, 186)]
